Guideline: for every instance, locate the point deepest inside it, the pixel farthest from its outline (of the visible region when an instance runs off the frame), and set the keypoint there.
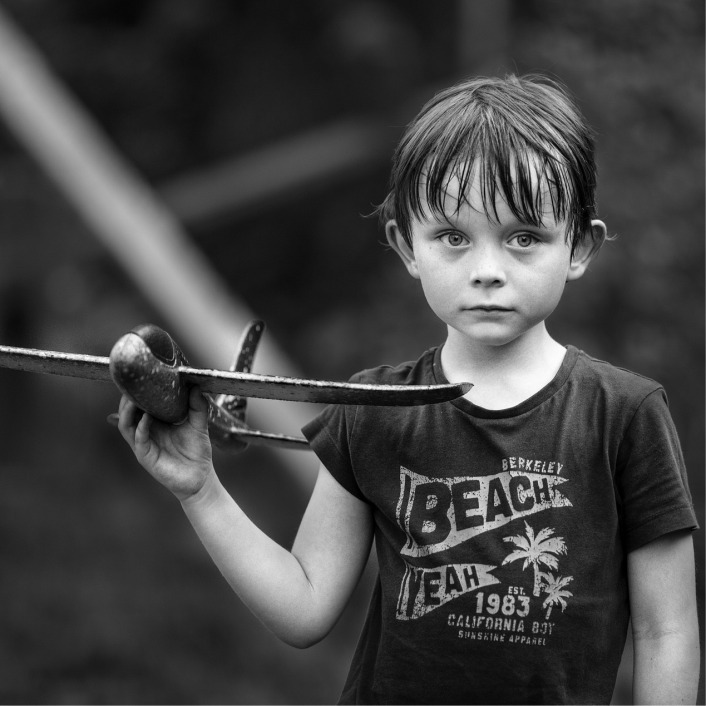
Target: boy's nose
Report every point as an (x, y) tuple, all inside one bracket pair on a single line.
[(487, 269)]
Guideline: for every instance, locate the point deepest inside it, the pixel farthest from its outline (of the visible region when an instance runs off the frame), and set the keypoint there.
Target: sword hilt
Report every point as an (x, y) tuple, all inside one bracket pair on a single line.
[(144, 364)]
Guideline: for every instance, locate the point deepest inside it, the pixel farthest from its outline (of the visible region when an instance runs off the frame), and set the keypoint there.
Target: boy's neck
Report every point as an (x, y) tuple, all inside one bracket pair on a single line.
[(502, 376)]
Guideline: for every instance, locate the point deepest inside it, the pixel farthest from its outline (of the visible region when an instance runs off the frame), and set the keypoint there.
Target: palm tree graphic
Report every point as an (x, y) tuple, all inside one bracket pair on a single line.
[(554, 586), (538, 550)]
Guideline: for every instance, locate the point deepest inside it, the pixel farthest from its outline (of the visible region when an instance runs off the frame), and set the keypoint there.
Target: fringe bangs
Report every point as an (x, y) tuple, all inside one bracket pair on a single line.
[(532, 183)]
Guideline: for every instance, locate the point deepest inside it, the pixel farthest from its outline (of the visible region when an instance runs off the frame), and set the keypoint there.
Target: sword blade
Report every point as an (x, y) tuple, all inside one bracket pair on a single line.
[(273, 387), (74, 365), (325, 392)]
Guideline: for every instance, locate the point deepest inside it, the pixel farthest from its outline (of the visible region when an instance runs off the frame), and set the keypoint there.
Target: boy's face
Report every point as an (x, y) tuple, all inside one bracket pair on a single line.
[(491, 281)]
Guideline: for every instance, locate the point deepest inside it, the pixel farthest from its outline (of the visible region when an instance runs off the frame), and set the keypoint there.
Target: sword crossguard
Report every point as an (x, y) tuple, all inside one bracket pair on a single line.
[(229, 411), (242, 363)]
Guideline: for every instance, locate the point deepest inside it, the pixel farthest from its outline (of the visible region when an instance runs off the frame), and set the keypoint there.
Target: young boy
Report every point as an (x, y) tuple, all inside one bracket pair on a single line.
[(517, 529)]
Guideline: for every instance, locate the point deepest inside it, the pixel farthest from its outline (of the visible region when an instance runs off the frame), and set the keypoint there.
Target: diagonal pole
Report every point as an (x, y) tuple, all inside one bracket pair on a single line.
[(135, 227)]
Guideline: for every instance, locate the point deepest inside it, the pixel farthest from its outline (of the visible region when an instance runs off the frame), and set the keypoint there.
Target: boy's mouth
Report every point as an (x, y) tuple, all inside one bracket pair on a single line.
[(490, 308)]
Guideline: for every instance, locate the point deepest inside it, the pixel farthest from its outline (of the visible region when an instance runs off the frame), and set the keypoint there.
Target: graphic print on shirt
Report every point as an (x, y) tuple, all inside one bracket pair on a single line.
[(439, 514)]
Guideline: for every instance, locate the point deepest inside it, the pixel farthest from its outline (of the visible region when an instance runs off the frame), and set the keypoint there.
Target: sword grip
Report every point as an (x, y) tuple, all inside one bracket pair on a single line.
[(145, 365)]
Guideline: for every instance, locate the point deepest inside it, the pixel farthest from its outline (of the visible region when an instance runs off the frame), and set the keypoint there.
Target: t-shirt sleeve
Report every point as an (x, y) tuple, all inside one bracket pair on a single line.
[(651, 477), (328, 436)]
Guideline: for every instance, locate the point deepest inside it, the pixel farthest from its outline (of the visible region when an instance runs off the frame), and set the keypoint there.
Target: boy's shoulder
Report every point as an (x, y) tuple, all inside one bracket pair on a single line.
[(410, 372), (614, 379)]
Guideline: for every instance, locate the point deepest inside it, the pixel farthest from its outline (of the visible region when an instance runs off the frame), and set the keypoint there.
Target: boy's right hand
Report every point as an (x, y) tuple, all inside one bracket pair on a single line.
[(177, 455)]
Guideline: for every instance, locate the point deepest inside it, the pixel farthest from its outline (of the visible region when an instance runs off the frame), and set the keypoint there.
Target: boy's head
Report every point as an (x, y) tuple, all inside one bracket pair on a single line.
[(513, 130)]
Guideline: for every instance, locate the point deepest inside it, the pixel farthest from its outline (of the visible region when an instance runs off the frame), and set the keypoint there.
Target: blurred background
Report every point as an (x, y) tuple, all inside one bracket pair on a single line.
[(251, 140)]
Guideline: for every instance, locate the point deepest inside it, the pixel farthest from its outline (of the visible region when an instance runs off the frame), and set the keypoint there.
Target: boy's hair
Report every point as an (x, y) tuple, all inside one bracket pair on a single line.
[(514, 129)]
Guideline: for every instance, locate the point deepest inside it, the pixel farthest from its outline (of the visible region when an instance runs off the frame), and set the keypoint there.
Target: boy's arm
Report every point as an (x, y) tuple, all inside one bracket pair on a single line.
[(298, 594), (661, 580)]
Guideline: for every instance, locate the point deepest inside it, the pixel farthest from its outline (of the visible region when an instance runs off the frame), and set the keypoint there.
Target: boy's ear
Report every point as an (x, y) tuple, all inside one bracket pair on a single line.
[(401, 247), (587, 250)]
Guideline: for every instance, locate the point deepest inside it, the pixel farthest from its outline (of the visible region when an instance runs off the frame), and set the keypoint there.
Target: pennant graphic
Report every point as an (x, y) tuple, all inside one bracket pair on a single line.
[(440, 513), (424, 590)]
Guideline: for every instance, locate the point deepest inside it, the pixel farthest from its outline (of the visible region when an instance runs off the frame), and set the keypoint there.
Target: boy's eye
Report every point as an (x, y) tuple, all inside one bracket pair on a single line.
[(453, 239), (524, 240)]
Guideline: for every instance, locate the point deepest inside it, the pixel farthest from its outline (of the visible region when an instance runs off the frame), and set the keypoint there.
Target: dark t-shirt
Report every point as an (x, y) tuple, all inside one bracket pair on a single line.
[(502, 535)]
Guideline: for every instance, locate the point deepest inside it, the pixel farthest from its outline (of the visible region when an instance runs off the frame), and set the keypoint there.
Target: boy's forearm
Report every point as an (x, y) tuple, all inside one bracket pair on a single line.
[(267, 577), (666, 669)]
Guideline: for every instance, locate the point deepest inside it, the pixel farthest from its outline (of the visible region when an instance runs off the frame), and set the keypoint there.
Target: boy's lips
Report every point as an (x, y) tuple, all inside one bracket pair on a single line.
[(489, 308)]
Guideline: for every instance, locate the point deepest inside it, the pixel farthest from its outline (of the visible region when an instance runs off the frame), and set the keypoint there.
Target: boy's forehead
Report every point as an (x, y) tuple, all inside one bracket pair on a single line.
[(459, 191)]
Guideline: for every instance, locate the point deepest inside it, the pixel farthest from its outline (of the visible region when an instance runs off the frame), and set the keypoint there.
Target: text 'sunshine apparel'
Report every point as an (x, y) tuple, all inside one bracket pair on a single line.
[(502, 535)]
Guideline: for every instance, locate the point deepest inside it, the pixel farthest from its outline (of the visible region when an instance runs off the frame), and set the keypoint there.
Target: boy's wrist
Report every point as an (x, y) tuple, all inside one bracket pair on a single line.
[(209, 492)]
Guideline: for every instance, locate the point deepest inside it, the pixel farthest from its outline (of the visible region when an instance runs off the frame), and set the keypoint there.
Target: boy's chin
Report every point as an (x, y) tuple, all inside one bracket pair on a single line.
[(490, 336)]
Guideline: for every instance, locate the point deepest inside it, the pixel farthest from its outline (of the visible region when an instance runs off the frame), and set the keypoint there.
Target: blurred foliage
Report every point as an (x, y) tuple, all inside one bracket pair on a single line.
[(107, 597)]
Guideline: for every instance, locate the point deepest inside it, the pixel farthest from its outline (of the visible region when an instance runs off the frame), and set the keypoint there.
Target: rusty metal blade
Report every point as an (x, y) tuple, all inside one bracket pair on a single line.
[(286, 388), (74, 365)]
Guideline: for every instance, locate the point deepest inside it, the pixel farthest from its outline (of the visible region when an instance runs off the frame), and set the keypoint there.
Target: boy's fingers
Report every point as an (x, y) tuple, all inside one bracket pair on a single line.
[(114, 418), (128, 418), (142, 431), (124, 402), (196, 399), (198, 409)]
